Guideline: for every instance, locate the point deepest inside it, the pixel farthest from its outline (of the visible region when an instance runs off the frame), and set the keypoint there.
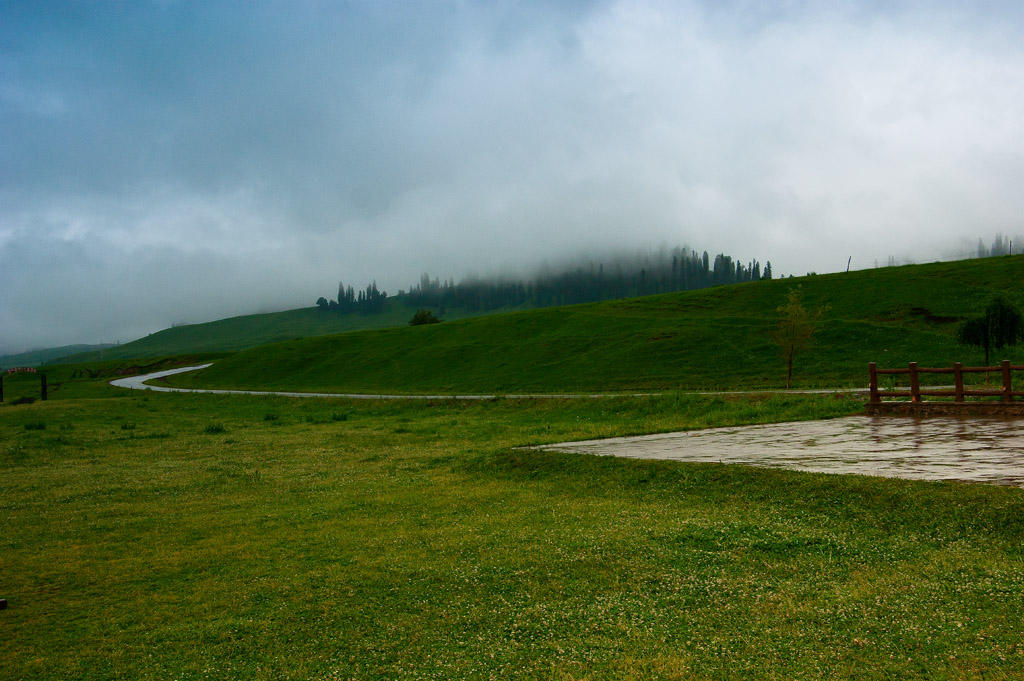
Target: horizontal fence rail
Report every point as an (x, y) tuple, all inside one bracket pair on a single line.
[(958, 393)]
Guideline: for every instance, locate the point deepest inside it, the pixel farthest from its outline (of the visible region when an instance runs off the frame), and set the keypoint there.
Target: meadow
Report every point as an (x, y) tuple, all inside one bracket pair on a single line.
[(170, 536), (175, 536)]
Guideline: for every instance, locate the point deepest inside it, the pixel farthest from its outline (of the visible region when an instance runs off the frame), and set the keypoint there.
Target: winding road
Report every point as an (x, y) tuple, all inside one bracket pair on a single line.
[(141, 383)]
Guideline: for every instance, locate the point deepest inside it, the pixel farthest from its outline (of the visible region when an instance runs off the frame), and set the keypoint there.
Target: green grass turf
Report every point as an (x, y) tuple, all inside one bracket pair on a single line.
[(197, 536), (711, 339)]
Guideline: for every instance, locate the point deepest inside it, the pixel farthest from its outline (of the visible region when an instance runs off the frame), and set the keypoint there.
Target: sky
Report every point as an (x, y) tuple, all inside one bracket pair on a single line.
[(168, 161)]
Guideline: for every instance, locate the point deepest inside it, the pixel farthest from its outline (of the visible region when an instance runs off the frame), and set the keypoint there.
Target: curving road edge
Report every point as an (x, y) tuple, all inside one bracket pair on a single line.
[(141, 383)]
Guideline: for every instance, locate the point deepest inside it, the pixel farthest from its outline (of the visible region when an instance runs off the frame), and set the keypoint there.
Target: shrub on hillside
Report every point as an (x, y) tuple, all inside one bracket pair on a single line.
[(423, 317)]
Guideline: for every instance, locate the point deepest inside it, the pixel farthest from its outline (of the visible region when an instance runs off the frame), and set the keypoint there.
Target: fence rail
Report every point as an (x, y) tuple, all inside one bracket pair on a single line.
[(958, 393)]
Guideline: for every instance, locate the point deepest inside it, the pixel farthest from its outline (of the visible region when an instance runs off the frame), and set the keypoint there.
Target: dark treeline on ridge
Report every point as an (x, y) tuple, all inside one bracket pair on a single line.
[(368, 300), (620, 276)]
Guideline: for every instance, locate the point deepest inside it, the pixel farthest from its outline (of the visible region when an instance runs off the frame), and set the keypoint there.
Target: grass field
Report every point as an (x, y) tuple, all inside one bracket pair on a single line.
[(195, 537), (716, 338), (168, 536)]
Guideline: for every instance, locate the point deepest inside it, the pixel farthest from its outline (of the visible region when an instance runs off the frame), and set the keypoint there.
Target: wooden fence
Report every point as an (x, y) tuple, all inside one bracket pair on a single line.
[(958, 393)]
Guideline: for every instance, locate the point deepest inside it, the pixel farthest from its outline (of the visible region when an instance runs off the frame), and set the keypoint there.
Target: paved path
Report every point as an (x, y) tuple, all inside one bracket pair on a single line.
[(141, 383), (979, 449)]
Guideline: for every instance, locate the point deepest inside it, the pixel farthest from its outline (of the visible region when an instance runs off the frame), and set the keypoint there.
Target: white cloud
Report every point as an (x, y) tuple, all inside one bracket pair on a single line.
[(240, 158)]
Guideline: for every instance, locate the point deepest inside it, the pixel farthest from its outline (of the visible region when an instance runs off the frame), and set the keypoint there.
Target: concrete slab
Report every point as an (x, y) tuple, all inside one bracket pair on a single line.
[(972, 448)]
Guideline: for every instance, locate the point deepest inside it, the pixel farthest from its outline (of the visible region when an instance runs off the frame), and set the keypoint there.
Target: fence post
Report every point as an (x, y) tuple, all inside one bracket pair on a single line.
[(915, 388), (42, 386), (873, 383), (1007, 387), (958, 379)]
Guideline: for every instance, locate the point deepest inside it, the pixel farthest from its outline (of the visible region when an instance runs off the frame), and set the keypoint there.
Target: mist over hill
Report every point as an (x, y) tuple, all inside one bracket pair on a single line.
[(588, 278), (721, 337), (36, 357), (593, 277)]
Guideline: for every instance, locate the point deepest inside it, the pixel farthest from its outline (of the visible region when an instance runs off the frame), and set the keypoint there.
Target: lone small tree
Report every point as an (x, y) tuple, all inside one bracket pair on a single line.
[(795, 329), (1000, 326)]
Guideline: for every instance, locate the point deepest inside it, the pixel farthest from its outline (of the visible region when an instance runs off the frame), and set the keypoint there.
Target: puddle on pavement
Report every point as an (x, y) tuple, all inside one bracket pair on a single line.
[(978, 449)]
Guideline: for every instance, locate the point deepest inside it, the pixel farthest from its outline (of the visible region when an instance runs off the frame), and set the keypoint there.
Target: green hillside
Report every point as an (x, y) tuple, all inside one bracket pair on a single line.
[(248, 331), (713, 338), (36, 357)]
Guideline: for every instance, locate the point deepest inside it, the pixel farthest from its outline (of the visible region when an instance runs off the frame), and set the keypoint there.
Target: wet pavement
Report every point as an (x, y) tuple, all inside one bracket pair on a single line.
[(986, 449)]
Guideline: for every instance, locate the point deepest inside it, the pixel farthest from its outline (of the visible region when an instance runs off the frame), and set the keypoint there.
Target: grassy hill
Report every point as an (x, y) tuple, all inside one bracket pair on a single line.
[(713, 338), (248, 331), (36, 357)]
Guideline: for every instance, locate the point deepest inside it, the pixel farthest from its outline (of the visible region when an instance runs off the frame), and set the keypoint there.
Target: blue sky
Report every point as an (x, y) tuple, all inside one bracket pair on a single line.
[(168, 161)]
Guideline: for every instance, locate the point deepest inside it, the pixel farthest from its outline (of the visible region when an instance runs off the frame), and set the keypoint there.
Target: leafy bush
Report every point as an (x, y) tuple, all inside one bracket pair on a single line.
[(423, 317)]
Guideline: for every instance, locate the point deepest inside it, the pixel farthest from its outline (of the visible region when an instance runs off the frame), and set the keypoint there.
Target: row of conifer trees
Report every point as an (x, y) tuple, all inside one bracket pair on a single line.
[(679, 269)]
